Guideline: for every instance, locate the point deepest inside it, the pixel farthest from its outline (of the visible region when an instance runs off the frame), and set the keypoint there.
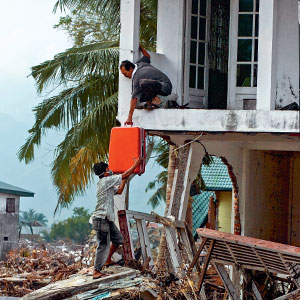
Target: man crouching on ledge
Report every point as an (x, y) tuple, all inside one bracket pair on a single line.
[(104, 216)]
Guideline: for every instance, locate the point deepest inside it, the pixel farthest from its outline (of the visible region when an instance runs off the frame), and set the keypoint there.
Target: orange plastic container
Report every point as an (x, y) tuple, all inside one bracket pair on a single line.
[(126, 144)]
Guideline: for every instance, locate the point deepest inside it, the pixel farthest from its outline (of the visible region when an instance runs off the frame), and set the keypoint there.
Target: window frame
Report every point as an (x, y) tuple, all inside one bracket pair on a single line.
[(9, 205), (237, 94), (193, 92)]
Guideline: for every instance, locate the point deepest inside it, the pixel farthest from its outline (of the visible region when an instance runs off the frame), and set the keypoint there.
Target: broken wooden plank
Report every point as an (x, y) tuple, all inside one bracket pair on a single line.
[(147, 243), (256, 292), (195, 259), (206, 262), (74, 285), (227, 281), (289, 295)]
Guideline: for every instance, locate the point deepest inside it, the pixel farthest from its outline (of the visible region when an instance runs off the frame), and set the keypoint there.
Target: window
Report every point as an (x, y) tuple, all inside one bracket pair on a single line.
[(247, 44), (198, 44), (5, 238), (10, 205)]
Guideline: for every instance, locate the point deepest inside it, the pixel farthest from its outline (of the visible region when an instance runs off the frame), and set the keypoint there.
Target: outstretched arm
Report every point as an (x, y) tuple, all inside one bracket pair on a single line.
[(145, 53), (127, 173), (131, 110)]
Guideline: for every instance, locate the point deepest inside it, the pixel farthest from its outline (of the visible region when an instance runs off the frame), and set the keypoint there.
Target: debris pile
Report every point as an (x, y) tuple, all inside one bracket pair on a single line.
[(31, 266)]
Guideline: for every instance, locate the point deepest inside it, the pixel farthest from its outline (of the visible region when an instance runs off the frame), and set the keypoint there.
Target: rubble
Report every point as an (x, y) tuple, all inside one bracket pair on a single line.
[(33, 266), (64, 271)]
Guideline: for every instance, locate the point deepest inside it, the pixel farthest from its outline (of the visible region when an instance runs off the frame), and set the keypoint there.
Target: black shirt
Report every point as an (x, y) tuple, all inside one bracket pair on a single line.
[(146, 71)]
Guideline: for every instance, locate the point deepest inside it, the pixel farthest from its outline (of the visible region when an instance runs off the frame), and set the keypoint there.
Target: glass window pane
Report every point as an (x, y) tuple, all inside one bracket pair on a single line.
[(192, 77), (246, 5), (255, 75), (200, 83), (195, 7), (194, 28), (244, 50), (203, 7), (193, 52), (243, 75), (201, 53), (256, 25), (255, 50), (257, 6), (202, 29), (245, 25)]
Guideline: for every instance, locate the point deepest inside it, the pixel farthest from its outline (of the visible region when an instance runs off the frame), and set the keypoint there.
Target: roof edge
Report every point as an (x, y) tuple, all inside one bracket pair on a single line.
[(17, 193)]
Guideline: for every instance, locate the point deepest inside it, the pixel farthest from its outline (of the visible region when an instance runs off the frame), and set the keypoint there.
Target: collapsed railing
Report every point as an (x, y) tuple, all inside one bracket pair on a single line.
[(220, 250)]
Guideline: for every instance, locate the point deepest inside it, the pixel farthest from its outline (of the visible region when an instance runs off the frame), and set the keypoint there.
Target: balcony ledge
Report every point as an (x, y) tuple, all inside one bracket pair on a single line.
[(215, 120)]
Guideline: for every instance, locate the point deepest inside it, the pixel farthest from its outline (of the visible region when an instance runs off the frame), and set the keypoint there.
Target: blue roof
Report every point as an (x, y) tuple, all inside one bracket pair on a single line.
[(216, 176), (14, 190), (200, 209)]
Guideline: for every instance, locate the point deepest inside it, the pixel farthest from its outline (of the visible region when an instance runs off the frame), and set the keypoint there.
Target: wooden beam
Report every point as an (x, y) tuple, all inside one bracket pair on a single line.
[(256, 292), (147, 242), (206, 262), (74, 285), (141, 238), (195, 259), (227, 281), (289, 295)]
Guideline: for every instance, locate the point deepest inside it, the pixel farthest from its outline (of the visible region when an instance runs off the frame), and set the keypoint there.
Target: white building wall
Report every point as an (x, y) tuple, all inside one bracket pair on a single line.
[(278, 54), (170, 33)]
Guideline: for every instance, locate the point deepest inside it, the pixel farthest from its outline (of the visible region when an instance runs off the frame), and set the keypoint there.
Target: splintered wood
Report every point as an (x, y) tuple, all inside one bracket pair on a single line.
[(29, 269)]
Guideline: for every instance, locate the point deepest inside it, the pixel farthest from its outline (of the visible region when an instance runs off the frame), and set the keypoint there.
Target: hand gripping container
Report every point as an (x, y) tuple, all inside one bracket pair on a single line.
[(127, 144)]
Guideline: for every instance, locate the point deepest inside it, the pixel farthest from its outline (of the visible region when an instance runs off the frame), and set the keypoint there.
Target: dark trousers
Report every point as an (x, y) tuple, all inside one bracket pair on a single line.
[(106, 232), (151, 88)]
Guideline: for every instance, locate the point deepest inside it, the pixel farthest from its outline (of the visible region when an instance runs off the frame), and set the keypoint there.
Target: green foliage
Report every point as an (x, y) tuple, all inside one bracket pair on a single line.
[(75, 229), (87, 77)]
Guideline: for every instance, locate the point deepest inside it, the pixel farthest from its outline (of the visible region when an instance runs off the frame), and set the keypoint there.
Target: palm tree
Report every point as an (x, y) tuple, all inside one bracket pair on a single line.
[(30, 217), (87, 75)]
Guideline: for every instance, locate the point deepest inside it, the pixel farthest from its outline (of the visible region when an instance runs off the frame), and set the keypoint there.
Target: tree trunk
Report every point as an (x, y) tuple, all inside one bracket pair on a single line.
[(163, 253)]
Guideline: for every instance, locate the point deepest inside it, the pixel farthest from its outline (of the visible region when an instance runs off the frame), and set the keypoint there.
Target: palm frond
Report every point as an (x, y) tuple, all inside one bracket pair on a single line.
[(77, 63), (107, 9), (66, 109), (84, 144), (158, 196)]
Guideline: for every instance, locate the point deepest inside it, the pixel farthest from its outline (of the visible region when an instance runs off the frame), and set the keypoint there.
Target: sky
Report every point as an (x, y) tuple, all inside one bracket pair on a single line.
[(28, 39)]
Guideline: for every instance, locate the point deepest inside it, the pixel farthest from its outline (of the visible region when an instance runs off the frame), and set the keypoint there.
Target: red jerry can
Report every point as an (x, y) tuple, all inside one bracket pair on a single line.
[(126, 144)]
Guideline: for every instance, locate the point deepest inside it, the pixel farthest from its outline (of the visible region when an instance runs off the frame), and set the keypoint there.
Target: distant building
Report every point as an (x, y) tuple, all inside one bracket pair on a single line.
[(219, 186), (9, 216)]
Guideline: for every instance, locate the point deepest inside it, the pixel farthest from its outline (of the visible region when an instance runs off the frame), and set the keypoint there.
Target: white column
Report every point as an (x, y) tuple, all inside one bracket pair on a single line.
[(170, 37), (266, 78), (287, 53), (278, 54), (129, 46), (195, 156)]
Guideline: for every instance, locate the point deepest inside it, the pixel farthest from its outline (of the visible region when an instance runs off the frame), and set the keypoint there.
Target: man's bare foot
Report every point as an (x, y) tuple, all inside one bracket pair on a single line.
[(97, 274), (156, 100)]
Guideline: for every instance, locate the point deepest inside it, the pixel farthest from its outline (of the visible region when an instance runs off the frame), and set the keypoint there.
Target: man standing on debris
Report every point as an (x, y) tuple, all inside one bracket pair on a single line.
[(104, 215), (147, 83)]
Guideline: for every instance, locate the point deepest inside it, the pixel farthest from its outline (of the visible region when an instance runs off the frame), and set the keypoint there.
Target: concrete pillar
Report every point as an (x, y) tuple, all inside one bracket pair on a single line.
[(278, 54), (129, 48), (287, 53), (266, 77), (170, 38)]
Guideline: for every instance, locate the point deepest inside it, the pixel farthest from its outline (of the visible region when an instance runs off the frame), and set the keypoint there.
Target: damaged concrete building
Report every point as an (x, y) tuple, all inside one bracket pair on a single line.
[(236, 62), (9, 216)]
